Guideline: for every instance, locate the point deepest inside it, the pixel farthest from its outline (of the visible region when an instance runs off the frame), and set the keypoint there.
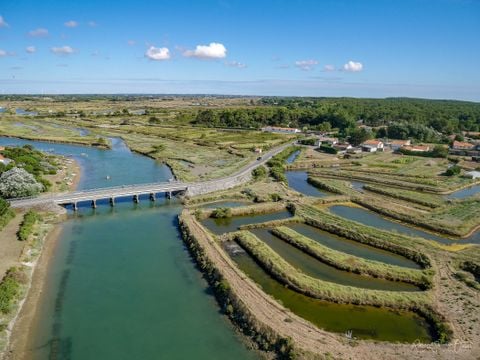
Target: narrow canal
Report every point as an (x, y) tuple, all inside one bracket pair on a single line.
[(121, 285)]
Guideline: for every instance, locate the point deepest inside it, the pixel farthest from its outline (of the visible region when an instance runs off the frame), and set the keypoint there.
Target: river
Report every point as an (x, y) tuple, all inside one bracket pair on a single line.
[(121, 284)]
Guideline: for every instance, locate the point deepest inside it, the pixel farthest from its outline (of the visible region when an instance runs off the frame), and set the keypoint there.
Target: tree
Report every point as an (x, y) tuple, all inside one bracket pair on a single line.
[(259, 173), (17, 182), (453, 170), (359, 135)]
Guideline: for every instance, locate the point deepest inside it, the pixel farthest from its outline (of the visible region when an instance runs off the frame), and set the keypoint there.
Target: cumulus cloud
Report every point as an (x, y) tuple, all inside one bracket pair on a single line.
[(211, 51), (62, 50), (40, 32), (71, 24), (3, 23), (158, 54), (329, 68), (236, 64), (306, 65), (30, 49), (353, 66)]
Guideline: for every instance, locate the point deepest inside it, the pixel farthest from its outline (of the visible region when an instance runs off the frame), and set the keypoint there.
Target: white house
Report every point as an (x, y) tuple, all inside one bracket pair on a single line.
[(4, 160), (397, 144), (281, 130), (372, 145), (326, 141)]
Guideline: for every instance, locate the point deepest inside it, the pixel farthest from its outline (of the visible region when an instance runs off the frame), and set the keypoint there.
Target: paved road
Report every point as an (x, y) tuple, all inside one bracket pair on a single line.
[(195, 188)]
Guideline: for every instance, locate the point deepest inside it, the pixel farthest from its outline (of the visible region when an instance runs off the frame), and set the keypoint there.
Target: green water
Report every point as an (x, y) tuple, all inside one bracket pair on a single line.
[(353, 247), (365, 322), (224, 225), (317, 269), (122, 286)]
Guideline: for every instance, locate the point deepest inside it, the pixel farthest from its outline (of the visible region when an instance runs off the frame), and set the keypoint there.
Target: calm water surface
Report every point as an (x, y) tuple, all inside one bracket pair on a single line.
[(121, 284), (297, 180)]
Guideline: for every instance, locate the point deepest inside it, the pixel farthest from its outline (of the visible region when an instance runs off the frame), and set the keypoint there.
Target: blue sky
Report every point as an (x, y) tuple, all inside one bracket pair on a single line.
[(374, 48)]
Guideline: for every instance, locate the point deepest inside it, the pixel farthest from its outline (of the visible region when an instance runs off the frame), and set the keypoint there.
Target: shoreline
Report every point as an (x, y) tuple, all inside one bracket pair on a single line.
[(21, 326), (52, 141)]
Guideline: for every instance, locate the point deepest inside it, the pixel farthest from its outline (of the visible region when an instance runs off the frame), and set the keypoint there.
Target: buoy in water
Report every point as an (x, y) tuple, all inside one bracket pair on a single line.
[(107, 177)]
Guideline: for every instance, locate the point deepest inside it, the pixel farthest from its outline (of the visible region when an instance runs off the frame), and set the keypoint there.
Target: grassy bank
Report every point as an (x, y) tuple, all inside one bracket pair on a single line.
[(26, 227), (398, 244), (353, 263), (6, 213), (417, 197)]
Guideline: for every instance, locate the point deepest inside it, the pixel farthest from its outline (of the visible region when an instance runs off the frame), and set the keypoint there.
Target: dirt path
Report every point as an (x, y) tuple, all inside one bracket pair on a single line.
[(10, 247)]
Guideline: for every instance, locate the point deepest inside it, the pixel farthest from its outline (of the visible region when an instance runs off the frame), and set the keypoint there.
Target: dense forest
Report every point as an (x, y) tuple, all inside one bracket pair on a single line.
[(425, 120)]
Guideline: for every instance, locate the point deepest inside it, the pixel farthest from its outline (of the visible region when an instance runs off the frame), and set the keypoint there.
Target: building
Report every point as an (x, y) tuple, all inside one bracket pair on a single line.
[(342, 148), (258, 150), (280, 130), (472, 174), (395, 145), (372, 145), (417, 148), (461, 145), (4, 160), (326, 141)]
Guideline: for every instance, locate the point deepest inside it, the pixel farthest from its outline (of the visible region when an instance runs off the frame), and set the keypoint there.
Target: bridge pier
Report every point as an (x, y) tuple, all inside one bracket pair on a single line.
[(94, 204), (74, 206), (136, 200), (112, 201), (168, 194), (152, 197)]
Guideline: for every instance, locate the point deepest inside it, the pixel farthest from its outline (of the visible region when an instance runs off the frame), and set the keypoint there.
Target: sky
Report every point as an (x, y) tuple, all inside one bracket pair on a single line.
[(359, 48)]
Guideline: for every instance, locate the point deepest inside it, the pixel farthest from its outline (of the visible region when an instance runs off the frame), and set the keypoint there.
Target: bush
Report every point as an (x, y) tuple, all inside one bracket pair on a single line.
[(222, 213), (17, 182), (26, 227), (6, 213), (9, 289), (259, 173), (453, 170), (328, 149)]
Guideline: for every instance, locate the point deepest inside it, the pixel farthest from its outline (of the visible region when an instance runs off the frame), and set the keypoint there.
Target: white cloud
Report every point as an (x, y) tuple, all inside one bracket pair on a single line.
[(40, 32), (92, 24), (131, 42), (353, 66), (30, 49), (306, 65), (211, 51), (4, 53), (329, 68), (154, 53), (3, 23), (236, 64), (62, 50), (71, 24)]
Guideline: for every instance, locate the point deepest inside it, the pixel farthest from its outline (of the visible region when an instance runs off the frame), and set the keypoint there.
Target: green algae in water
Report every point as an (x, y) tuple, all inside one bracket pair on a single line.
[(365, 322)]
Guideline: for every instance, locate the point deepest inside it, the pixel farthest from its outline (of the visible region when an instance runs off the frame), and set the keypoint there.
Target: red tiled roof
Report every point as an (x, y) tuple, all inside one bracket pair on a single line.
[(462, 145), (372, 142)]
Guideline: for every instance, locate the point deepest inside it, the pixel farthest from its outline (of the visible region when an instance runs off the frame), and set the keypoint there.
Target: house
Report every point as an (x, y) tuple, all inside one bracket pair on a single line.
[(472, 175), (280, 130), (461, 145), (2, 148), (417, 148), (4, 160), (326, 141), (257, 150), (372, 145), (395, 145), (464, 149), (342, 148)]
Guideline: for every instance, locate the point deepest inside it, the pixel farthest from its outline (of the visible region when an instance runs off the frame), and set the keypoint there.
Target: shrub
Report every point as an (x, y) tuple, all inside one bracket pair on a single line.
[(9, 289), (17, 182), (26, 227), (328, 149), (453, 170), (222, 213), (259, 173)]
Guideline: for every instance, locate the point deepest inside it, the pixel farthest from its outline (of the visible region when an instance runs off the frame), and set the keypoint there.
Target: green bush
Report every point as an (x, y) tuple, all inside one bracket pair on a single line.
[(453, 170), (222, 213), (26, 227), (328, 149), (259, 173), (6, 213), (9, 289)]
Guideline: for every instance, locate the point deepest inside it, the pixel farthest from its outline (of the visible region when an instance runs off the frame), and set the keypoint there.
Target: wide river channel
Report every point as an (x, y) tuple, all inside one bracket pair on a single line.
[(121, 285)]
